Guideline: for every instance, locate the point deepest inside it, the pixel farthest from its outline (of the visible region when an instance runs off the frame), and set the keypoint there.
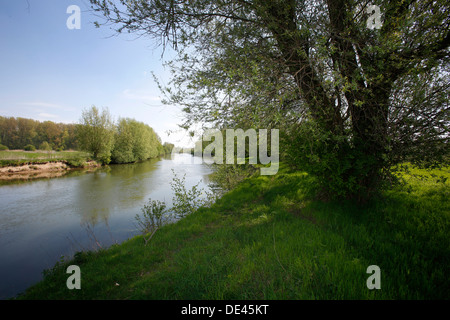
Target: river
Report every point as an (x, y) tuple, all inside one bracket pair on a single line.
[(44, 220)]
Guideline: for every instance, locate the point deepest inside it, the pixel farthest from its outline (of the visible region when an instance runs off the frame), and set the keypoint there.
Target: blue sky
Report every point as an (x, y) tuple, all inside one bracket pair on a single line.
[(50, 72)]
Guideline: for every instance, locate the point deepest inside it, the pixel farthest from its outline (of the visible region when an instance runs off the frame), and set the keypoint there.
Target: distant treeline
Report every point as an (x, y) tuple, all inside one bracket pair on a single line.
[(20, 133), (130, 140)]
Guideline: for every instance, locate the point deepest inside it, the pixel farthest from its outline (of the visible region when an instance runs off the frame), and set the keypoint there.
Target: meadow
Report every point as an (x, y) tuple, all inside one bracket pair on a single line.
[(19, 157)]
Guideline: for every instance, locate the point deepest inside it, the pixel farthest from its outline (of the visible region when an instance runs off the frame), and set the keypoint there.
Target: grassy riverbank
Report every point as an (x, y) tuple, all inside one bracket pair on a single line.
[(267, 239), (22, 165), (21, 157)]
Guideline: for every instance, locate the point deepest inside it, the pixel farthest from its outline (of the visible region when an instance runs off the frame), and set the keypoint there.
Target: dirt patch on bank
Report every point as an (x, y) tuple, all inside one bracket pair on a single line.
[(40, 170)]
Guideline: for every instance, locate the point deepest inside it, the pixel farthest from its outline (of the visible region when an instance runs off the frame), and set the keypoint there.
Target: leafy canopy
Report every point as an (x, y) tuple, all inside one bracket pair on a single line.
[(372, 98)]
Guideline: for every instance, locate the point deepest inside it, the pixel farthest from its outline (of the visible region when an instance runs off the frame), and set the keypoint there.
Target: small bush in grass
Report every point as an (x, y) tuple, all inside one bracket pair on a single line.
[(29, 147), (227, 177), (186, 201), (45, 146), (76, 162), (2, 147), (154, 215)]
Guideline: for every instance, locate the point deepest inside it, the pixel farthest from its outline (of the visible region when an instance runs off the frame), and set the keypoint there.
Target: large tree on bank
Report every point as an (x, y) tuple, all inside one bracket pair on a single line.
[(96, 133), (351, 100)]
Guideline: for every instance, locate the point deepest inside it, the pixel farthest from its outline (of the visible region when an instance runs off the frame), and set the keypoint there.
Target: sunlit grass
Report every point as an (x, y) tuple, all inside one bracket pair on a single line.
[(268, 239), (18, 157)]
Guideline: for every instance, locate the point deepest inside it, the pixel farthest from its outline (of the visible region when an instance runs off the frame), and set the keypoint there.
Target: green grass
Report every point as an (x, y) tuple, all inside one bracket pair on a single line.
[(16, 158), (267, 239)]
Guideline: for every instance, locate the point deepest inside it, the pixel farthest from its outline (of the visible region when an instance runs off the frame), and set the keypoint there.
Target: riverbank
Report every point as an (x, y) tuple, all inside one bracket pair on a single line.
[(26, 165), (268, 239), (42, 169)]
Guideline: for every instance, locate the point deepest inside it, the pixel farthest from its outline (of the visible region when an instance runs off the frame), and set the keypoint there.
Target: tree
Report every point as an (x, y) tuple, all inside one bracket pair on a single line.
[(168, 147), (134, 141), (96, 133), (123, 143), (50, 132), (20, 132), (353, 100), (26, 131), (2, 147)]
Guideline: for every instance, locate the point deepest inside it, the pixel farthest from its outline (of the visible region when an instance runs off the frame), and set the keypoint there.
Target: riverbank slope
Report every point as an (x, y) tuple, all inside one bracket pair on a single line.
[(25, 165), (268, 239), (43, 169)]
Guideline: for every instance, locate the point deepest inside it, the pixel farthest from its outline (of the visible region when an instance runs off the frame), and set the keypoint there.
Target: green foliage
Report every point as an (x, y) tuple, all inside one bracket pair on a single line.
[(96, 133), (226, 177), (45, 146), (29, 147), (377, 97), (339, 167), (2, 147), (123, 143), (16, 133), (168, 147), (134, 141), (186, 202), (154, 216), (76, 162)]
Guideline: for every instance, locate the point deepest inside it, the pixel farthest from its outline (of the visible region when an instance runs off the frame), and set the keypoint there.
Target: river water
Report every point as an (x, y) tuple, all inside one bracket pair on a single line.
[(44, 220)]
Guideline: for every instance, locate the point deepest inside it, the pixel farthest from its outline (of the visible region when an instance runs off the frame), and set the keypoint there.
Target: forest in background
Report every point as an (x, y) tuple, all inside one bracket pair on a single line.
[(17, 133), (131, 140)]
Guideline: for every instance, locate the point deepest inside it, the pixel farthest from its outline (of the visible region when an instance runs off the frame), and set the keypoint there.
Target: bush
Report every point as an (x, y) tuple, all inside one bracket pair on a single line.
[(45, 146), (227, 177), (76, 162), (103, 158), (186, 201), (29, 147), (2, 147), (154, 216)]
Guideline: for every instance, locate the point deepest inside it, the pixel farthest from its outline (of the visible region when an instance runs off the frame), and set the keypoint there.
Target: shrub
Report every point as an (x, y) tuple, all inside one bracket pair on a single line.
[(186, 201), (2, 147), (103, 158), (45, 146), (29, 147), (76, 162), (154, 215), (227, 177)]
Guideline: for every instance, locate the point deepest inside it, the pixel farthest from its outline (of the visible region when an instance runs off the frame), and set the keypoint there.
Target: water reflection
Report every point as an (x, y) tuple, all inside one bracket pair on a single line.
[(115, 188), (44, 219)]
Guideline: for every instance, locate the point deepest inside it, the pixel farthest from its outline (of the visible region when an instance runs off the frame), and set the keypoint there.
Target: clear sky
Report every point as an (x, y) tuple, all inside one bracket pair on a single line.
[(51, 72)]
